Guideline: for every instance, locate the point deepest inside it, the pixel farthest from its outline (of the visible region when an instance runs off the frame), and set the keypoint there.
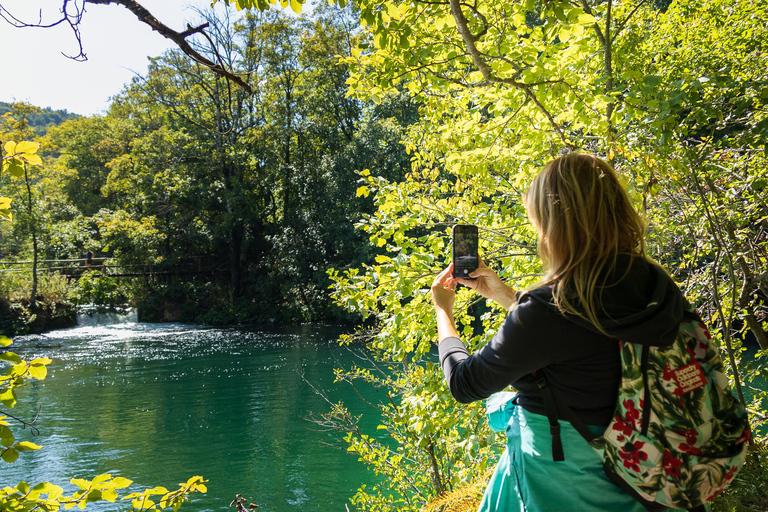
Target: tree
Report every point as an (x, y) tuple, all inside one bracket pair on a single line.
[(507, 86), (20, 158)]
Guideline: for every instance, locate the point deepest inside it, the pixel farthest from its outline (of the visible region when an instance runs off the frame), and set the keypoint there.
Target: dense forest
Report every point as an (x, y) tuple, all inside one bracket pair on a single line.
[(370, 131), (256, 193), (40, 119)]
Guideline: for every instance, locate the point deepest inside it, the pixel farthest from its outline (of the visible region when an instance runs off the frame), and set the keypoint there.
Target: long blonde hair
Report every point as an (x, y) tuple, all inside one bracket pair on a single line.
[(585, 220)]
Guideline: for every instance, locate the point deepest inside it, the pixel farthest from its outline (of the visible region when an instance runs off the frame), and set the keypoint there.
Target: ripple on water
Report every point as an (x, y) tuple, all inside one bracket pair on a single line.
[(158, 403)]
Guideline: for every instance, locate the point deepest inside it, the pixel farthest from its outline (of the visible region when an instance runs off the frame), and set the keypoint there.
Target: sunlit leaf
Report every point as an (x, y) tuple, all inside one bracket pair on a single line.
[(27, 147)]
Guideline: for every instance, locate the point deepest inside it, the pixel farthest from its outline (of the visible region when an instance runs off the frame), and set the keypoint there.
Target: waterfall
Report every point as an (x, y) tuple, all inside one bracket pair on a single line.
[(91, 316)]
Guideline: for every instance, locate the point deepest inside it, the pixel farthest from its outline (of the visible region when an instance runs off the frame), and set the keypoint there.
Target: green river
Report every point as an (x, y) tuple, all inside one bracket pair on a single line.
[(159, 403)]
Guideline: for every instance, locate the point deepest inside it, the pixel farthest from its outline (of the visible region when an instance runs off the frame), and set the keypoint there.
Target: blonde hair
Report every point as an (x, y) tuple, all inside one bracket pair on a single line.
[(585, 220)]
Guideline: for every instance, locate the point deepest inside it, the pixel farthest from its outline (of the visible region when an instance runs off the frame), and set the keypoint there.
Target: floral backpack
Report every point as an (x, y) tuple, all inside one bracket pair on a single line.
[(678, 435)]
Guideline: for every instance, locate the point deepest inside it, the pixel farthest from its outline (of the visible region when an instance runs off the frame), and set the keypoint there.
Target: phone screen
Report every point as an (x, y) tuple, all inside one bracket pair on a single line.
[(464, 250)]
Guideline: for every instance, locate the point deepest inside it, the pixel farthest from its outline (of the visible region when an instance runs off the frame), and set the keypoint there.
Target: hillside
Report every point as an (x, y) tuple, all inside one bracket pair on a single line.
[(43, 120)]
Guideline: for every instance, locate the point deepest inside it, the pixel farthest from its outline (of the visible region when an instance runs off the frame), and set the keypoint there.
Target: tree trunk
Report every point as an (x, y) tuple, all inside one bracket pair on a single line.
[(33, 229), (287, 171)]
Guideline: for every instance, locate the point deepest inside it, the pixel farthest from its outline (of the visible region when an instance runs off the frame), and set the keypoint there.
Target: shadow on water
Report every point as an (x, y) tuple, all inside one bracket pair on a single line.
[(158, 403)]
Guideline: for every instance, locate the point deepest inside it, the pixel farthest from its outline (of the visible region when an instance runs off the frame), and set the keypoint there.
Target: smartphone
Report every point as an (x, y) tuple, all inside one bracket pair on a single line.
[(464, 250)]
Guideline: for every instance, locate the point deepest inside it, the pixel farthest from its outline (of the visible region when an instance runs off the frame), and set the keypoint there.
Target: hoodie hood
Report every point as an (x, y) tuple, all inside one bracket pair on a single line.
[(643, 306)]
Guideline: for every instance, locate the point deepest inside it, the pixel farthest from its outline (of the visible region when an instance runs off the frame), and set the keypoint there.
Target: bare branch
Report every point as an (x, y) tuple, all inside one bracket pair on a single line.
[(145, 16), (72, 15)]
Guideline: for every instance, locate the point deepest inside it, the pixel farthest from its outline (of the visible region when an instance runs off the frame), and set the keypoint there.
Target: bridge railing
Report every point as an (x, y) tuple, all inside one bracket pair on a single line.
[(77, 267)]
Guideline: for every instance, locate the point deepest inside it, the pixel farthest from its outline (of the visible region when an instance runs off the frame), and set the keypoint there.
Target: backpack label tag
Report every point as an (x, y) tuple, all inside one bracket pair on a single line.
[(689, 378)]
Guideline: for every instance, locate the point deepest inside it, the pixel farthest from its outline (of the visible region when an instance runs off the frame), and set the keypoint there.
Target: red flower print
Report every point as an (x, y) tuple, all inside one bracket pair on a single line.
[(632, 455), (671, 464), (632, 414), (706, 331), (745, 437), (690, 435), (684, 447), (623, 427)]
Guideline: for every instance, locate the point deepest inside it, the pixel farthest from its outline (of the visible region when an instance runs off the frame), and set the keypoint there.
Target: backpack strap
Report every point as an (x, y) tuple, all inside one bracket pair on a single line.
[(550, 406), (555, 408), (644, 358)]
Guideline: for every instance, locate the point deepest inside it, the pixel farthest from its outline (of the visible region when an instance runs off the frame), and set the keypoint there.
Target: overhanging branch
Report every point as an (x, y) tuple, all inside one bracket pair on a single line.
[(179, 38), (72, 14), (477, 58)]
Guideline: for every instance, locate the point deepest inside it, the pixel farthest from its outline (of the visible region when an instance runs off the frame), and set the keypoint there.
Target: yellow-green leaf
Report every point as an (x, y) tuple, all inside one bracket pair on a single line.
[(33, 159), (4, 340), (121, 483), (26, 446), (101, 478), (38, 371), (27, 147), (81, 483)]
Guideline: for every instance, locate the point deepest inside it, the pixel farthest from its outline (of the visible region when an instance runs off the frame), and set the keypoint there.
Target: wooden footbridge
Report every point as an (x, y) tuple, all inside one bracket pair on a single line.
[(76, 268)]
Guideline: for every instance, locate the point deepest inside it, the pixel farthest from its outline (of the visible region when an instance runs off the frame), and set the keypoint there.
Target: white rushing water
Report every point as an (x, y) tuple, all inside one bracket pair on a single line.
[(90, 316)]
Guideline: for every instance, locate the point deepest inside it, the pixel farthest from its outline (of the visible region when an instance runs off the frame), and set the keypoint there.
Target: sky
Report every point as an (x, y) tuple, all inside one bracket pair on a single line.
[(116, 43)]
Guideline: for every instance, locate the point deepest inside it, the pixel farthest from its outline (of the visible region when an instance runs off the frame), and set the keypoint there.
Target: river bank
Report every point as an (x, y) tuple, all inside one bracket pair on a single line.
[(25, 317)]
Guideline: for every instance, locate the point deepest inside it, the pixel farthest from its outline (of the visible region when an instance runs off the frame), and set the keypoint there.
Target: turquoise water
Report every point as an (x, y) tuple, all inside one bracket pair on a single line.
[(160, 403)]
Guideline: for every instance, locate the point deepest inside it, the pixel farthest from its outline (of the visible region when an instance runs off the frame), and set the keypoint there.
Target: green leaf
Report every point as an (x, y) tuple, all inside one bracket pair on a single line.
[(15, 167), (296, 6), (33, 159), (52, 490), (4, 340), (10, 455), (652, 80), (10, 357)]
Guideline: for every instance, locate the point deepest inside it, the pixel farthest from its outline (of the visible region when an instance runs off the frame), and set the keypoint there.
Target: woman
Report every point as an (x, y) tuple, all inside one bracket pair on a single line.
[(598, 286)]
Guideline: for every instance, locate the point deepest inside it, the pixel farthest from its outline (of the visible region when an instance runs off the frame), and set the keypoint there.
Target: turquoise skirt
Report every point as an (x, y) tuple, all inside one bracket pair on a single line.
[(526, 478)]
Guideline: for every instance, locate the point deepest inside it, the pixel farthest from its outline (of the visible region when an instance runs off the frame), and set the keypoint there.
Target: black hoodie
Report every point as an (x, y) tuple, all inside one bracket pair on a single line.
[(583, 365)]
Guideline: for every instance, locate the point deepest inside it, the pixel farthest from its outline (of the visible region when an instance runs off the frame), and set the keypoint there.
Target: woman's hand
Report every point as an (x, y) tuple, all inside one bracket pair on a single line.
[(444, 295), (444, 290), (489, 285)]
